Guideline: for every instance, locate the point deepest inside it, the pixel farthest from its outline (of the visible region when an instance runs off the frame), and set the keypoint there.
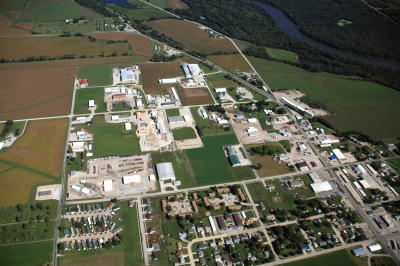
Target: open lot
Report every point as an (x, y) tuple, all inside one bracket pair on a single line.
[(232, 62), (219, 81), (139, 44), (191, 36), (27, 93), (83, 96), (193, 96), (210, 166), (21, 47), (269, 166), (112, 139), (39, 253), (40, 148), (354, 104), (99, 75), (96, 259), (184, 133), (19, 180)]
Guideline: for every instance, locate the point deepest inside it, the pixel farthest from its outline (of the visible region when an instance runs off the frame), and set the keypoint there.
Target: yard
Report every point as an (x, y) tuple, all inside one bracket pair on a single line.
[(206, 127), (83, 96), (99, 75), (374, 113), (210, 165), (184, 133)]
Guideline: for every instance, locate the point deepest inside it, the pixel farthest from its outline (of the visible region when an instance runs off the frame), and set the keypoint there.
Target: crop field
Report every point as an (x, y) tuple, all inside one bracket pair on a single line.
[(100, 75), (6, 27), (232, 62), (40, 93), (19, 180), (193, 96), (39, 253), (177, 4), (139, 44), (97, 259), (353, 104), (141, 12), (219, 81), (83, 96), (112, 139), (184, 133), (191, 36), (342, 257), (41, 147), (48, 10), (152, 72), (282, 55), (210, 166), (23, 47)]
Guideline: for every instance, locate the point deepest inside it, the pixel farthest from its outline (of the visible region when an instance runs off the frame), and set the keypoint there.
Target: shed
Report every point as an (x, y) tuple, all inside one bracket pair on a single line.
[(358, 252), (128, 126), (239, 115), (91, 103), (374, 247)]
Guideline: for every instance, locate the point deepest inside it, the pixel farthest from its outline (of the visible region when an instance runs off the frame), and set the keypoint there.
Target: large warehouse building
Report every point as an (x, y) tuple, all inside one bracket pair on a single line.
[(191, 70), (165, 171)]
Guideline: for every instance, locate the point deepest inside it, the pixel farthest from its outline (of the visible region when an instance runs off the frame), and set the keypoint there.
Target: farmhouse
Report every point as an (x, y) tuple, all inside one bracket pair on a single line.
[(165, 171)]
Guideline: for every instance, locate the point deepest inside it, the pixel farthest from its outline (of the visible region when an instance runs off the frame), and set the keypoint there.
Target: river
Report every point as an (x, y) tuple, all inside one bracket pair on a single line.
[(288, 27)]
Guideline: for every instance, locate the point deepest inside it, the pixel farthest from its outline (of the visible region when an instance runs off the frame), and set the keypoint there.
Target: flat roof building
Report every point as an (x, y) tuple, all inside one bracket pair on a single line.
[(321, 187), (128, 126), (338, 154), (108, 187), (127, 75), (165, 171), (191, 70), (131, 179)]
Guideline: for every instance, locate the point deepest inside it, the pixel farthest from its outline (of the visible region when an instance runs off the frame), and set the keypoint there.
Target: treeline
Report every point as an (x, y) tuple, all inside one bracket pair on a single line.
[(159, 57), (369, 34), (258, 28)]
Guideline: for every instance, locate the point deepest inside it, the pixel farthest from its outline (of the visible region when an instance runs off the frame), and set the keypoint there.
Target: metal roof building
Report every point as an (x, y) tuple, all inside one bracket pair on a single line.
[(358, 252), (165, 171), (173, 119)]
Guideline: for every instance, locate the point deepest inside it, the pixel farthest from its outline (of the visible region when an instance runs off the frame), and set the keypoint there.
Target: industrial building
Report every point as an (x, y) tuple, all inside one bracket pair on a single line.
[(339, 155), (297, 107), (165, 171), (191, 70), (321, 187), (127, 75)]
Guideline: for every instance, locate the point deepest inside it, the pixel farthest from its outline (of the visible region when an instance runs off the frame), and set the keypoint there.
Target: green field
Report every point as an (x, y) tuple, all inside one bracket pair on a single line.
[(39, 253), (210, 166), (58, 27), (131, 235), (283, 55), (395, 164), (83, 96), (219, 81), (353, 104), (143, 12), (172, 112), (184, 133), (112, 139), (342, 257), (100, 75)]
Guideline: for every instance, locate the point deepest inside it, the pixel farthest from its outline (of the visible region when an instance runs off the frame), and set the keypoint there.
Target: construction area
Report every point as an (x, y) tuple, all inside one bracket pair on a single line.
[(113, 177), (123, 97), (248, 130), (153, 132)]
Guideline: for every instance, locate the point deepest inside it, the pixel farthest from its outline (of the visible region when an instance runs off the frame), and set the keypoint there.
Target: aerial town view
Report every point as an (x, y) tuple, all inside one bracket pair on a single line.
[(199, 132)]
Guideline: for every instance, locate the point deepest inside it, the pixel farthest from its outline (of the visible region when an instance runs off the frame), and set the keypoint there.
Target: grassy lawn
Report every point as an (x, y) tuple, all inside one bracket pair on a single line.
[(342, 257), (210, 166), (39, 253), (142, 13), (99, 75), (181, 165), (172, 112), (374, 112), (219, 81), (83, 96), (395, 163), (184, 133), (282, 55), (112, 139), (382, 261)]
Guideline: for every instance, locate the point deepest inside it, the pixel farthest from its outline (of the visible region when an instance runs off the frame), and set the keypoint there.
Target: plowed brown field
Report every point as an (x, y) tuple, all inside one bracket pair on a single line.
[(178, 4), (30, 93), (194, 96), (140, 44)]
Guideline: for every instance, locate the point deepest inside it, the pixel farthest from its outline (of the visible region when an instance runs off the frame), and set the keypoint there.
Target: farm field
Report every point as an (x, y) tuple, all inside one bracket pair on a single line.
[(40, 149), (210, 166), (6, 27), (111, 139), (283, 55), (42, 92), (139, 44), (19, 180), (177, 4), (191, 36), (141, 11), (39, 253), (83, 96), (193, 96), (184, 133), (374, 114), (100, 75), (99, 258), (342, 257), (21, 47), (232, 62), (152, 72)]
